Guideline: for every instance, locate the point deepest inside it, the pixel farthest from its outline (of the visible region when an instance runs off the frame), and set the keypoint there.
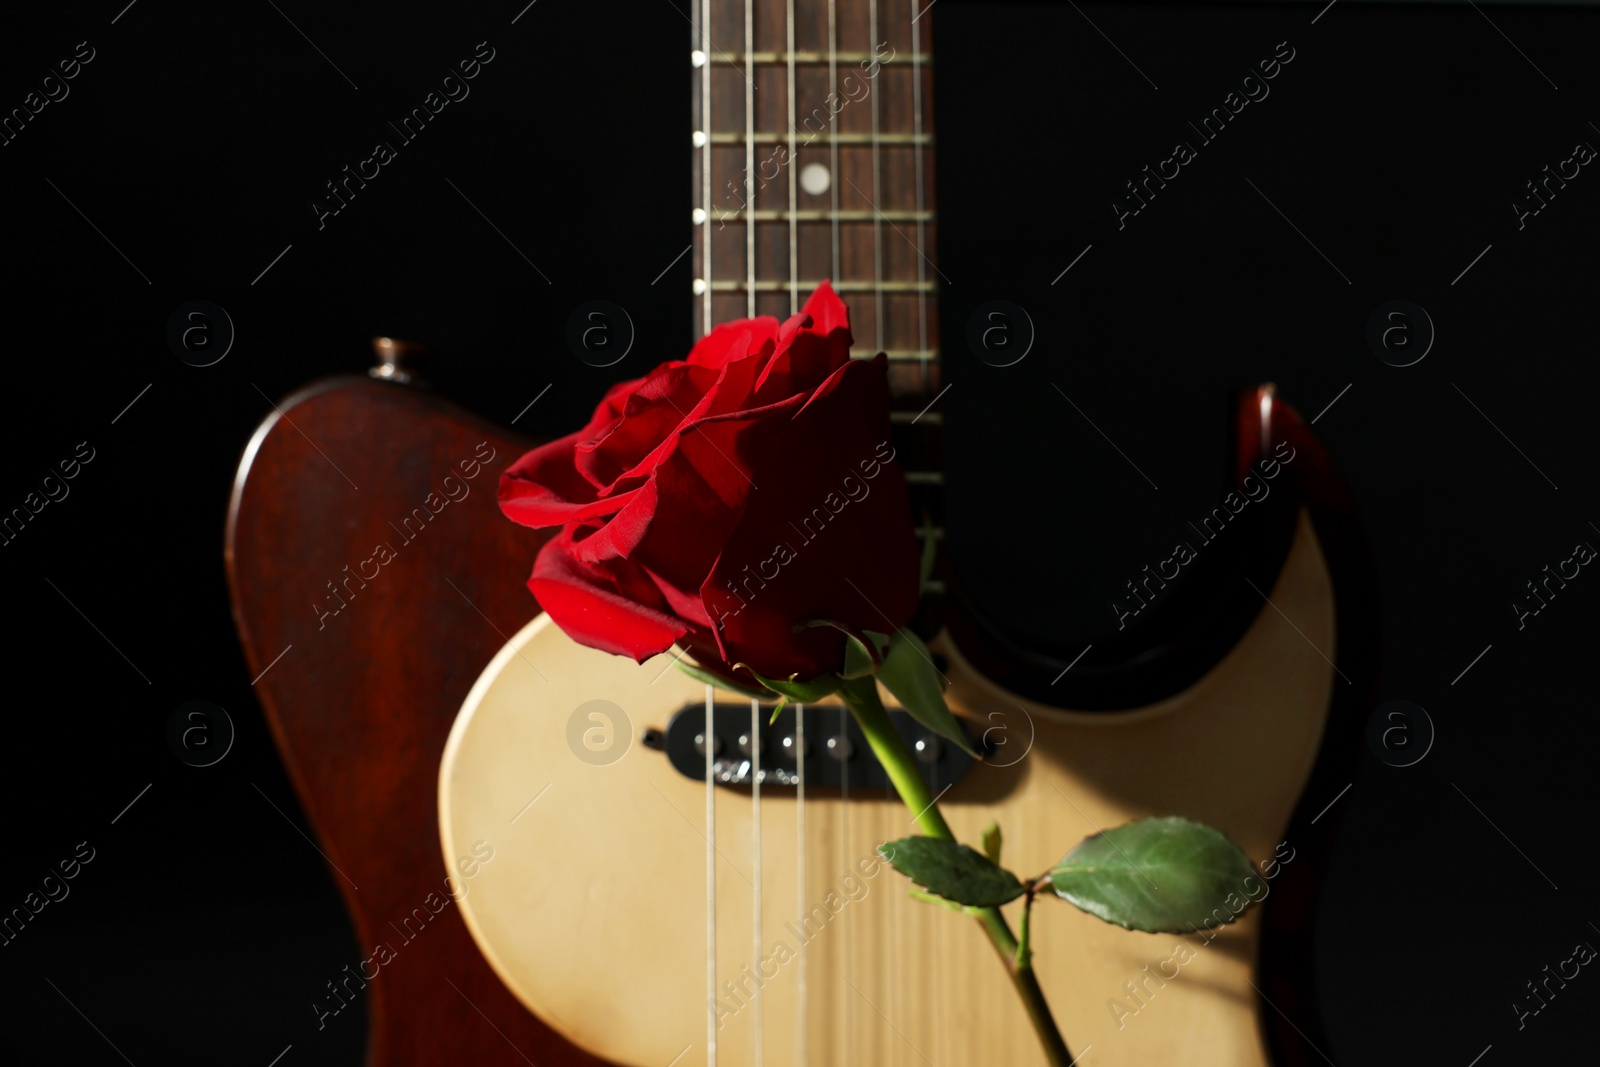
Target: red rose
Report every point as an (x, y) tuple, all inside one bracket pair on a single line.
[(724, 500)]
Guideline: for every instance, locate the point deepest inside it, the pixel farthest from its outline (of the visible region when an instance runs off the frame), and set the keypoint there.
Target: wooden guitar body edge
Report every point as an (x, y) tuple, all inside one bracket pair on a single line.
[(358, 691), (1209, 614)]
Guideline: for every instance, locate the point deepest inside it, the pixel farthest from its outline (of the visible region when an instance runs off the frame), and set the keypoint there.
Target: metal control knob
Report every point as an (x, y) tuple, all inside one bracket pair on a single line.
[(397, 360)]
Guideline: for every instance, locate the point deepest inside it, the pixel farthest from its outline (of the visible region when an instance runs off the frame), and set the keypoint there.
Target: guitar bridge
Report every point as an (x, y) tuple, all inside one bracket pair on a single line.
[(836, 757)]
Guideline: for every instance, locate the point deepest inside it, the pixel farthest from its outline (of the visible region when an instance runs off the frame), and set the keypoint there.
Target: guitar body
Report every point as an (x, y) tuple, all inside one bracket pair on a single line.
[(361, 677), (584, 881), (593, 910)]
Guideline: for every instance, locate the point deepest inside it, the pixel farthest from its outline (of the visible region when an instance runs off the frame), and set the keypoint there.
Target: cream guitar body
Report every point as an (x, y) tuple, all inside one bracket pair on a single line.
[(594, 908)]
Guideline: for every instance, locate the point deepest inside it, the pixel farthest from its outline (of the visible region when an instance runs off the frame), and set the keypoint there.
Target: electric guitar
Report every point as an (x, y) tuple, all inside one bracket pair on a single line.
[(677, 881)]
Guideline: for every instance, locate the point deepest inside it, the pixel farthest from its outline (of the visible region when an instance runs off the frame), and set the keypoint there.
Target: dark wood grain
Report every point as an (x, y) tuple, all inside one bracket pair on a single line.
[(362, 700)]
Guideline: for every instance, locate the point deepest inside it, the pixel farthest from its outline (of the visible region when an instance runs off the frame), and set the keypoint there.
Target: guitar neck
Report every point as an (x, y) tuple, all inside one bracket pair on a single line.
[(813, 137), (814, 159)]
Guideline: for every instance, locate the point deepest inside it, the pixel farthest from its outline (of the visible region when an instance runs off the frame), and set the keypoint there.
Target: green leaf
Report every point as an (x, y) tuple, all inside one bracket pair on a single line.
[(863, 650), (934, 898), (908, 672), (858, 662), (821, 686), (952, 870), (991, 842), (1166, 875), (702, 675), (862, 659)]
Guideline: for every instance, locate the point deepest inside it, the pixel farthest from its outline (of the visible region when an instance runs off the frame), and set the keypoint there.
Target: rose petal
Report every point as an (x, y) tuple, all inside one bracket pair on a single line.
[(811, 346), (821, 539), (544, 488), (686, 605), (822, 314), (657, 404), (730, 393), (677, 521), (801, 365), (719, 346), (613, 606), (828, 313)]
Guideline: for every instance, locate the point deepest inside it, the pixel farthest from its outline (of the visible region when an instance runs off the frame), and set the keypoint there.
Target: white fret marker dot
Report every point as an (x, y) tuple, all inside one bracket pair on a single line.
[(815, 179), (699, 138), (699, 216), (697, 58), (699, 286)]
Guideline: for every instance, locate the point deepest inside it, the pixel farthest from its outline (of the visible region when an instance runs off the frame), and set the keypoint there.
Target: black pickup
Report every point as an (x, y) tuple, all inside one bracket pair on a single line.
[(837, 755)]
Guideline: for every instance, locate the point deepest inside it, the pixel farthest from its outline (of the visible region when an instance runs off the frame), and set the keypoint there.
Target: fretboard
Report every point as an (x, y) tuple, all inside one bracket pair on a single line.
[(814, 159)]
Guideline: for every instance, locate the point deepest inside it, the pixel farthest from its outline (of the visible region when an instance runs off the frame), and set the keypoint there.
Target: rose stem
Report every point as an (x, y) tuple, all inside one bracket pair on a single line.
[(862, 696)]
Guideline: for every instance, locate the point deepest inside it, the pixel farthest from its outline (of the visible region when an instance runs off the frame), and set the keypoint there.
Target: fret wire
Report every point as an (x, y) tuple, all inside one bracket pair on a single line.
[(793, 168), (750, 157), (901, 354), (819, 215), (773, 285), (816, 59), (727, 137)]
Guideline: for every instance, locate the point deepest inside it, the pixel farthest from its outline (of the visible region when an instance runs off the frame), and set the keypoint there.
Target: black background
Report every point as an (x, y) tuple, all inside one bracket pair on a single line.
[(1395, 141)]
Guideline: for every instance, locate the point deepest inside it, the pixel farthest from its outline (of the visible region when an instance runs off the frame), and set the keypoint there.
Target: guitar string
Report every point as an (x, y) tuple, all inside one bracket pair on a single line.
[(711, 890), (705, 322), (793, 166), (705, 165), (711, 811), (802, 1039), (872, 24), (755, 899), (891, 932), (755, 705), (936, 946), (922, 367), (833, 134), (749, 162), (833, 228), (847, 928), (874, 29), (877, 193), (802, 1045), (916, 158)]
